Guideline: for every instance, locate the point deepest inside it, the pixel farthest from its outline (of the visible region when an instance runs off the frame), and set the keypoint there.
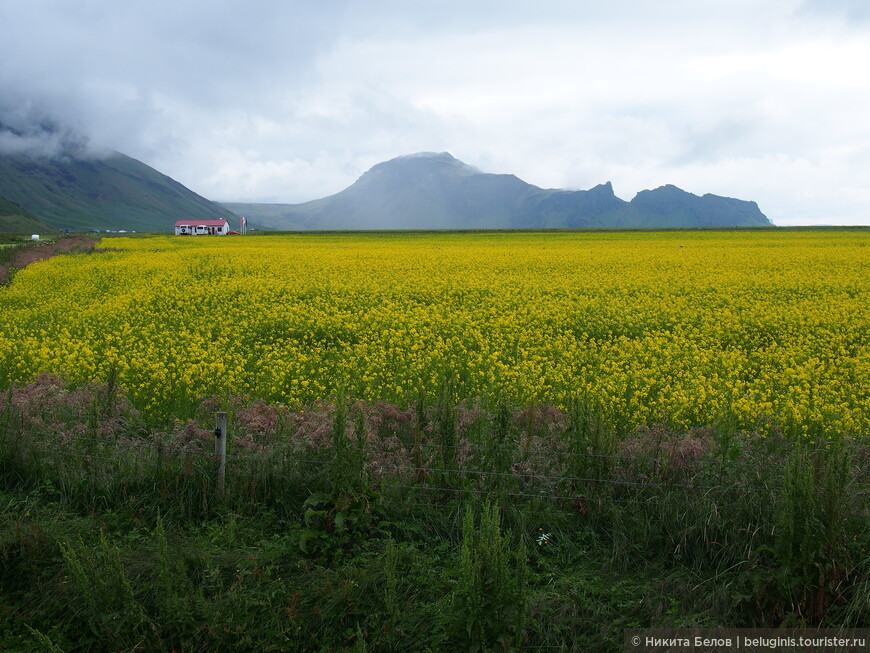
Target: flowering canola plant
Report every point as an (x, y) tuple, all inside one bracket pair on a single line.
[(761, 327)]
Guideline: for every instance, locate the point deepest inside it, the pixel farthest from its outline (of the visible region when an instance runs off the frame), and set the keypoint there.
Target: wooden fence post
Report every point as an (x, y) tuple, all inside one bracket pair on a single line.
[(220, 450)]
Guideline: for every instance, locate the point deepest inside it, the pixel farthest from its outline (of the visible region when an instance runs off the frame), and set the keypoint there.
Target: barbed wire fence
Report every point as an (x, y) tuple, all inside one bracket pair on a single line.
[(219, 466), (620, 479)]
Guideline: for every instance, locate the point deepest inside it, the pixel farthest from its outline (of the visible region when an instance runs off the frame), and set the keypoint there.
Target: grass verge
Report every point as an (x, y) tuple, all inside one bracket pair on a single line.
[(363, 527)]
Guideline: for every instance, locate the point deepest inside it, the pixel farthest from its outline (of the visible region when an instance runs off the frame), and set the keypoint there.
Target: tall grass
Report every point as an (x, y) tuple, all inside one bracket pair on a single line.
[(354, 525), (10, 251)]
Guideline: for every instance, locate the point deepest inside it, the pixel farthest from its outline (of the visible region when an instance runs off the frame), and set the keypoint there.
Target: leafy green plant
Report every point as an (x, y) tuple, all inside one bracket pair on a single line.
[(332, 524)]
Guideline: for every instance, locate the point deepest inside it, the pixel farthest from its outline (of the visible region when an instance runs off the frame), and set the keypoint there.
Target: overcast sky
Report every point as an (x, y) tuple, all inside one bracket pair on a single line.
[(255, 100)]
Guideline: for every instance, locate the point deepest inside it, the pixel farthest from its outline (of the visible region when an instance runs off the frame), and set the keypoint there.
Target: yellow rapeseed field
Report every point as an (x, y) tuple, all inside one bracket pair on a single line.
[(689, 328)]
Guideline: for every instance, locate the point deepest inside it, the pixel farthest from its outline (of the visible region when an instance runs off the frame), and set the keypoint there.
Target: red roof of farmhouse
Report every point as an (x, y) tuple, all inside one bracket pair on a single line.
[(204, 223)]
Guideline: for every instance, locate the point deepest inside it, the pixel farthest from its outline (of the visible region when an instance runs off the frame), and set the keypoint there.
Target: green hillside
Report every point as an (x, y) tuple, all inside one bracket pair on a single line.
[(115, 192), (15, 220)]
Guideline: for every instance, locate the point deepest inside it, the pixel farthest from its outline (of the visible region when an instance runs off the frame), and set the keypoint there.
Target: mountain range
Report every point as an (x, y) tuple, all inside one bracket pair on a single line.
[(418, 191), (437, 191)]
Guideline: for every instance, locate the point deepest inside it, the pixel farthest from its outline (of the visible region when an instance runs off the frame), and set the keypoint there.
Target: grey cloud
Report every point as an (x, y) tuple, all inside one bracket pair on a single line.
[(29, 132), (845, 10), (120, 71), (289, 101)]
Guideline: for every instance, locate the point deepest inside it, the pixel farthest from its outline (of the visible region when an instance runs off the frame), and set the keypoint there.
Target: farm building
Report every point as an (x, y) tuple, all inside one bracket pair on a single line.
[(202, 227)]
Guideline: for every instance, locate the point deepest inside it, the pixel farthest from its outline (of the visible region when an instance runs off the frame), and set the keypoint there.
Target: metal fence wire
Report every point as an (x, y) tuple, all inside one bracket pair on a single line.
[(506, 471)]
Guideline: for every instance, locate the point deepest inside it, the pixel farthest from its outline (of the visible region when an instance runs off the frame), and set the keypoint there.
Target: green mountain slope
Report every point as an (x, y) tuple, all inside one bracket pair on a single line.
[(15, 220), (437, 191), (115, 192)]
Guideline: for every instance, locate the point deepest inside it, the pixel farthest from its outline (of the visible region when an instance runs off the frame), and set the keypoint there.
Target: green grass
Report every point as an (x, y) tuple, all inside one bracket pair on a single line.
[(8, 251), (113, 537), (15, 220)]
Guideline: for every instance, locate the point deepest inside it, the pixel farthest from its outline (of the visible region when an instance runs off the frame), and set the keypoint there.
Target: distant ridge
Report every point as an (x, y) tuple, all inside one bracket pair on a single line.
[(437, 191)]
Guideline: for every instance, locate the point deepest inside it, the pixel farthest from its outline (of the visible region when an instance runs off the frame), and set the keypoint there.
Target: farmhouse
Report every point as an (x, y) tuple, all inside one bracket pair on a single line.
[(202, 227)]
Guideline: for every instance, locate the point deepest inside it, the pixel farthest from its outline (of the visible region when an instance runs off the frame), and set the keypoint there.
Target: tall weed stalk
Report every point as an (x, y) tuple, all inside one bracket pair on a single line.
[(108, 604), (489, 602), (814, 528)]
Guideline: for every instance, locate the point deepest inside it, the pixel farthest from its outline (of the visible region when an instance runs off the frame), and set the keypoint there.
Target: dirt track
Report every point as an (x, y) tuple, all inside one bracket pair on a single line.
[(72, 244)]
